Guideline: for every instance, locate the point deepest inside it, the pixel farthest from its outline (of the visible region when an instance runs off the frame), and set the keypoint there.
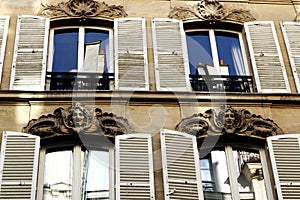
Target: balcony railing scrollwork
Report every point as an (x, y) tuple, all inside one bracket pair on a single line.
[(220, 83), (79, 80)]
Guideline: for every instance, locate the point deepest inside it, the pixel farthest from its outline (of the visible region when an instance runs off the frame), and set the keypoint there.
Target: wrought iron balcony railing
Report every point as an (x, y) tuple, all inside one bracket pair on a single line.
[(79, 80), (218, 83)]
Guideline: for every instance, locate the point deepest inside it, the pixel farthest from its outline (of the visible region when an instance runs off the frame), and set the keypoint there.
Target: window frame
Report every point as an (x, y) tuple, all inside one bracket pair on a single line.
[(80, 58), (214, 49), (77, 170)]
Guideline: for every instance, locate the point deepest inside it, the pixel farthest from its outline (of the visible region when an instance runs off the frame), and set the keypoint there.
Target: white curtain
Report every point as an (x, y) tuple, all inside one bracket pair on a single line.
[(238, 60)]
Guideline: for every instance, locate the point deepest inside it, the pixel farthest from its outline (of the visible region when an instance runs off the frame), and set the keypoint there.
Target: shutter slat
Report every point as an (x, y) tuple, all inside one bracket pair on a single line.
[(266, 58), (30, 53), (285, 157), (131, 54), (291, 33), (134, 167), (18, 166), (181, 170), (171, 67)]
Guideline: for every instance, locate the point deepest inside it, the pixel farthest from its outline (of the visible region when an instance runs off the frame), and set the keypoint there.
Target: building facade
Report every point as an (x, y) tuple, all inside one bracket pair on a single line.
[(160, 99)]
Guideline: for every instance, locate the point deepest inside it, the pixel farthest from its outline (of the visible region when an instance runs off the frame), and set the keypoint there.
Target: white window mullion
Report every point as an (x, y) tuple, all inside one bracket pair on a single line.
[(232, 173), (50, 50), (81, 49), (41, 174), (266, 174), (111, 174), (244, 54), (214, 49), (76, 176)]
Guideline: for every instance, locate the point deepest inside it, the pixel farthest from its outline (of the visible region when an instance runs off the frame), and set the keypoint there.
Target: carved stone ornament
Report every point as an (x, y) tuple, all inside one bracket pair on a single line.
[(228, 121), (77, 119), (82, 8), (210, 10)]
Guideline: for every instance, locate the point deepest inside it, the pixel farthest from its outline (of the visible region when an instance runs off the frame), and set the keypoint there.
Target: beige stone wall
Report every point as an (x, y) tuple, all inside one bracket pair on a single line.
[(148, 9)]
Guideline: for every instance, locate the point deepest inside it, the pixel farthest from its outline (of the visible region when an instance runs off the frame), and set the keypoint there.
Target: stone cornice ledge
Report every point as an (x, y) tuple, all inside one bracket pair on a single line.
[(149, 96)]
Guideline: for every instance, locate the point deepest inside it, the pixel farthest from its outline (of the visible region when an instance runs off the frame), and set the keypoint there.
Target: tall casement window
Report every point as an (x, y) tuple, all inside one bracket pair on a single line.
[(218, 59), (233, 173), (220, 51), (79, 56)]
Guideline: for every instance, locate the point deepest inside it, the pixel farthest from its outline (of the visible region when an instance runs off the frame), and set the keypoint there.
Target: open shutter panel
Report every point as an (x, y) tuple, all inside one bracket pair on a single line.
[(285, 158), (170, 55), (131, 54), (266, 58), (291, 33), (181, 170), (19, 160), (29, 62), (4, 22), (134, 165)]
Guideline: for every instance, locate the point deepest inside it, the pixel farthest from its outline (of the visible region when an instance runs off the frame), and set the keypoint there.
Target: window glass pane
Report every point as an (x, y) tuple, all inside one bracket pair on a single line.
[(199, 49), (218, 187), (65, 50), (58, 175), (96, 175), (250, 177), (229, 51)]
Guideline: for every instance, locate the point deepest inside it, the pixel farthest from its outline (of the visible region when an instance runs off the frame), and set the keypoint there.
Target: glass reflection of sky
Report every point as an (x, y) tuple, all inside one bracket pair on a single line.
[(228, 46), (199, 49)]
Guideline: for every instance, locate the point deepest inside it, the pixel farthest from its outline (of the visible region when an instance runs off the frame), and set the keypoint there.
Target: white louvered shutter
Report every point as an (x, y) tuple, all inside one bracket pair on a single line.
[(181, 170), (19, 161), (4, 22), (285, 158), (266, 58), (131, 54), (134, 167), (30, 54), (291, 33), (170, 55)]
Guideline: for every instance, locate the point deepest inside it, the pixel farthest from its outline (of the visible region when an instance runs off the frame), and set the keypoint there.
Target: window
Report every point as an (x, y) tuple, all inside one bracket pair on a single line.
[(79, 58), (233, 173), (72, 48), (93, 171), (218, 49), (215, 53)]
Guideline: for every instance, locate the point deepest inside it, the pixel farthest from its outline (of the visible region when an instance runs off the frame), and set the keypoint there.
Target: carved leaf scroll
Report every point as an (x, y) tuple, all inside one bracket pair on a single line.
[(210, 10), (82, 8), (229, 121), (77, 119)]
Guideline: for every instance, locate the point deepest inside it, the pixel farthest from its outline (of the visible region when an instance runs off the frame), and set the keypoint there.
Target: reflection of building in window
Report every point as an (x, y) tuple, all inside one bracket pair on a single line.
[(59, 169), (244, 174), (94, 57)]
